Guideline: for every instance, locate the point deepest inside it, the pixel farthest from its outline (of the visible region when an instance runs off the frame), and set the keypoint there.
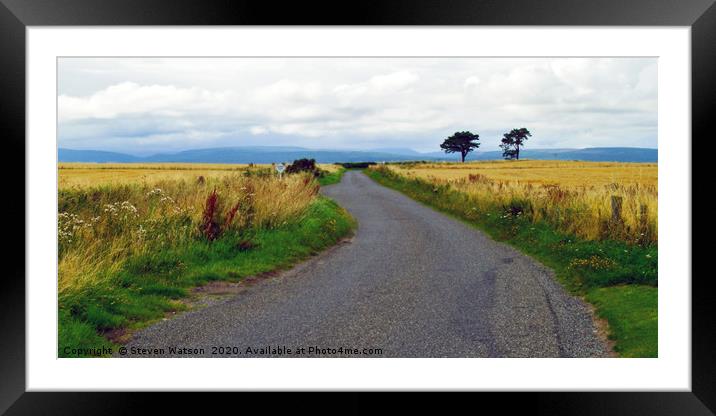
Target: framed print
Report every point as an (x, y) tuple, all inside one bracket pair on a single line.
[(406, 197)]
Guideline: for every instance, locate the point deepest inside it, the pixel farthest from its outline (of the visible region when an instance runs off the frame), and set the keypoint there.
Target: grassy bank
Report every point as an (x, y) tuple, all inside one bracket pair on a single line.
[(128, 254), (149, 285), (619, 278), (572, 197), (331, 177)]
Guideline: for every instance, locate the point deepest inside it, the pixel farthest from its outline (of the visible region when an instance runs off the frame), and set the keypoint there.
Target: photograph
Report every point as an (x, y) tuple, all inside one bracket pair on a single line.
[(357, 207), (399, 197)]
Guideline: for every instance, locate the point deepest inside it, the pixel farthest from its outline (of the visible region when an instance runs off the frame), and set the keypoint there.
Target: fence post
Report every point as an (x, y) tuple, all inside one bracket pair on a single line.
[(616, 209), (645, 232)]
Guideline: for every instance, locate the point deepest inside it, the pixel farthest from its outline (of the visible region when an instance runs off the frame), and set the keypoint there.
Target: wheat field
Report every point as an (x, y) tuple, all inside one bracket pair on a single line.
[(109, 213), (82, 175), (574, 196), (566, 174)]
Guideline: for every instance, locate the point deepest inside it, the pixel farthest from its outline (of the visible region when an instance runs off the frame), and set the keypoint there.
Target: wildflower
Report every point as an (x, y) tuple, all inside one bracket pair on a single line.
[(127, 206), (141, 232)]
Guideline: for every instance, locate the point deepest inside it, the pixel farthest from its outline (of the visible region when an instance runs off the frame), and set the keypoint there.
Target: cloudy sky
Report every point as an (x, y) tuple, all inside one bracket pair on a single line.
[(143, 106)]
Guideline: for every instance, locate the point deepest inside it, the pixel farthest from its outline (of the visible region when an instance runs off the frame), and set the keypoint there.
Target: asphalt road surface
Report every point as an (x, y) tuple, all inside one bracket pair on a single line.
[(412, 282)]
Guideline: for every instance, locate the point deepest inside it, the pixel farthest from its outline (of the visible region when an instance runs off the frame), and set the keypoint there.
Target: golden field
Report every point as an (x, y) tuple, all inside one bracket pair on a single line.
[(574, 196), (565, 174), (108, 213), (95, 174)]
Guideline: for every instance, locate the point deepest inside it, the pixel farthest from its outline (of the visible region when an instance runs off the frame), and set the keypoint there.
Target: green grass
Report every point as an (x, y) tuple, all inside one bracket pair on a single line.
[(631, 311), (331, 178), (150, 285), (619, 279)]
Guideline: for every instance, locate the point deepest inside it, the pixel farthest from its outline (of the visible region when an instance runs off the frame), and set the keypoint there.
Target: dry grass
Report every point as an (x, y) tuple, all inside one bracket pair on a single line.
[(574, 196), (83, 175), (565, 174), (107, 214)]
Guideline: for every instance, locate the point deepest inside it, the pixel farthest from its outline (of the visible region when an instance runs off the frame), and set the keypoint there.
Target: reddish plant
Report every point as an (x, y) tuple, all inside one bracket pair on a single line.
[(210, 229), (230, 216)]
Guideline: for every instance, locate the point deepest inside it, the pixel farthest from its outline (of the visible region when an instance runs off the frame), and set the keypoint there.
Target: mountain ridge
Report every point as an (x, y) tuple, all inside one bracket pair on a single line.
[(270, 154)]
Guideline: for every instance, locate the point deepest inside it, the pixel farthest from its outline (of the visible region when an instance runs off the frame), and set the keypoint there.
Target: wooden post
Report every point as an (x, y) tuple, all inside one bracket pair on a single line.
[(644, 231), (616, 209)]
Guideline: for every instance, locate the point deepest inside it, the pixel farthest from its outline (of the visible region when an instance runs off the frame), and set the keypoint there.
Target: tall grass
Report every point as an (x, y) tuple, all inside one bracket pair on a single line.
[(100, 227), (573, 197), (84, 175)]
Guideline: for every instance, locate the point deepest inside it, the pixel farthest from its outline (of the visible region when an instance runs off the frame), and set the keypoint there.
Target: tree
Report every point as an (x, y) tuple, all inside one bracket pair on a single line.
[(462, 142), (512, 141)]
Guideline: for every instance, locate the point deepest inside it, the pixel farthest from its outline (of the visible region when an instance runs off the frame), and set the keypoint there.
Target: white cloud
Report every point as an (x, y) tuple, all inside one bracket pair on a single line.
[(256, 130), (472, 81), (288, 90), (171, 104), (376, 86), (393, 82), (129, 98)]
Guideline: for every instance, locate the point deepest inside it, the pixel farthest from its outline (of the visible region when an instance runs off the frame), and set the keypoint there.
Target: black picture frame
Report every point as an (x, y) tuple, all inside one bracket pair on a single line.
[(16, 15)]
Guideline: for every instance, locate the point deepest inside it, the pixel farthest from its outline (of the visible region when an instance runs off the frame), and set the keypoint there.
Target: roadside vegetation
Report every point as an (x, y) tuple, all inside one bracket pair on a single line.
[(129, 252), (330, 178), (573, 197), (356, 165), (72, 174), (561, 213)]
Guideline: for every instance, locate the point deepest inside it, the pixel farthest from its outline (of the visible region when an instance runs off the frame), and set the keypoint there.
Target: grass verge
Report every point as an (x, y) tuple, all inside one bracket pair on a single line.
[(619, 279), (635, 334), (150, 285), (331, 178)]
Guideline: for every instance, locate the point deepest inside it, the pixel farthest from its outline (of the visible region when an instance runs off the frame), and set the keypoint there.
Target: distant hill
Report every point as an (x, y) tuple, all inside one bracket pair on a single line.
[(275, 154), (242, 155), (268, 154), (401, 151), (594, 154), (97, 156)]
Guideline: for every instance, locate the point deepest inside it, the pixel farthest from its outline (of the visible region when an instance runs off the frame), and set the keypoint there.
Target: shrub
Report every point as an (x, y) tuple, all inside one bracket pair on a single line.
[(303, 165), (357, 165)]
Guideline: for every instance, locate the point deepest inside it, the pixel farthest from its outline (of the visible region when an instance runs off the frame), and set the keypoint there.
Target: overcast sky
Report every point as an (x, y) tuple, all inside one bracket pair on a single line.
[(143, 106)]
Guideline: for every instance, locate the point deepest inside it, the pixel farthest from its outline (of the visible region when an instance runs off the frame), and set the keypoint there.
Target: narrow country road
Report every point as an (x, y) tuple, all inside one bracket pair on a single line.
[(411, 283)]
